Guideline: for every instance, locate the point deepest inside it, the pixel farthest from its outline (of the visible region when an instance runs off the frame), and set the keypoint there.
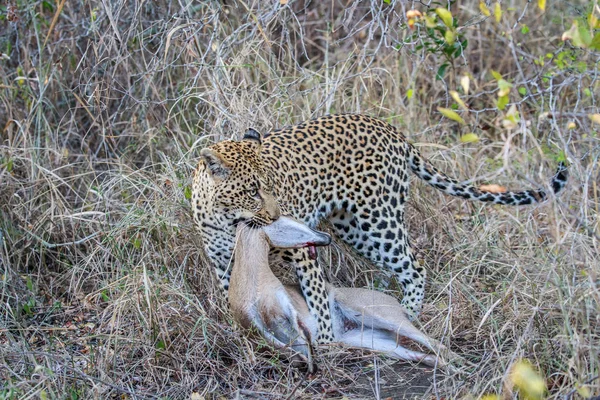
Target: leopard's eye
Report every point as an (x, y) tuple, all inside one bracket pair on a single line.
[(253, 193)]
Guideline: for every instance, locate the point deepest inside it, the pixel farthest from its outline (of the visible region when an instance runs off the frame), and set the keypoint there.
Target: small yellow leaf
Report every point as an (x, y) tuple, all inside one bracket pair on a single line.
[(430, 21), (496, 75), (458, 100), (542, 5), (484, 10), (512, 112), (409, 94), (584, 391), (531, 385), (498, 12), (449, 36), (451, 114), (490, 397), (571, 125), (595, 118), (508, 124), (593, 21), (464, 82), (469, 138), (445, 15), (504, 87), (503, 92), (512, 118), (283, 2)]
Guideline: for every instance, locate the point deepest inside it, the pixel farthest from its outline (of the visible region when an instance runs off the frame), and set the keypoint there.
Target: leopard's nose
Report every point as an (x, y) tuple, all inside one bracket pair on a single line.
[(270, 206)]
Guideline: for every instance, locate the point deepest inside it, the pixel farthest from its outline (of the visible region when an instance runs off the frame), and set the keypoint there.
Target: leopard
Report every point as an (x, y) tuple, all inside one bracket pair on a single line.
[(349, 169)]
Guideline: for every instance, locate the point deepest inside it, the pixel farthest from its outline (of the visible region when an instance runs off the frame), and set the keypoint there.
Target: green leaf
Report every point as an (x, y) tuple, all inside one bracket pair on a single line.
[(581, 66), (450, 114), (595, 43), (441, 71), (387, 1), (524, 29), (445, 15), (409, 94), (522, 91), (160, 345), (46, 6), (585, 34), (496, 75), (502, 102), (187, 192), (578, 34)]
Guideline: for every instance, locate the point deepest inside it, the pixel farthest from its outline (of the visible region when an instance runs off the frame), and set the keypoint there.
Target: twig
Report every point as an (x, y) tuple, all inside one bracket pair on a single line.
[(54, 20)]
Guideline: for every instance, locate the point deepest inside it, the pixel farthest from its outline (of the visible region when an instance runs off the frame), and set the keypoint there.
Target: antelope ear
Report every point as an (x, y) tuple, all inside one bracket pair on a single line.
[(253, 137), (218, 168)]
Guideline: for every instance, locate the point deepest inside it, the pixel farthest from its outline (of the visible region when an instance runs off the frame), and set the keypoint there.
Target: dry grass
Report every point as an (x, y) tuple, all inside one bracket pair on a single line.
[(105, 105)]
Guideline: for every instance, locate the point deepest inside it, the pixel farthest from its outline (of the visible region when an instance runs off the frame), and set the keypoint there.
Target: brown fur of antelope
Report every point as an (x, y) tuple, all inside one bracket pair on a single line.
[(361, 317)]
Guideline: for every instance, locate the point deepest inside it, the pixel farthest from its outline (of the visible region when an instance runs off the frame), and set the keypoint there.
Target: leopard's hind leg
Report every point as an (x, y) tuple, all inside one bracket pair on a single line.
[(379, 234)]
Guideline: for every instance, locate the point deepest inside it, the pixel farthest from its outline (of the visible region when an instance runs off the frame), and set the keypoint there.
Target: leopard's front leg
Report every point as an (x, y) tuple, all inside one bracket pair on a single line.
[(312, 284)]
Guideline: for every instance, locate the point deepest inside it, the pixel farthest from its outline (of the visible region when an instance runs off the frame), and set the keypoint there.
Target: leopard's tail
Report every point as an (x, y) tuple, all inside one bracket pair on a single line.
[(424, 170)]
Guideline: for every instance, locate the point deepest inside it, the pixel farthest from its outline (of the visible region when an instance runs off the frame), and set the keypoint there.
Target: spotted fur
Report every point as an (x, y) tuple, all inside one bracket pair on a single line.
[(350, 169)]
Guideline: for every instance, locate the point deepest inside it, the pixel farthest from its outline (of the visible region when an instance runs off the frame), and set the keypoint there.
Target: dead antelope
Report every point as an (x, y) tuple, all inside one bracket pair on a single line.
[(361, 317)]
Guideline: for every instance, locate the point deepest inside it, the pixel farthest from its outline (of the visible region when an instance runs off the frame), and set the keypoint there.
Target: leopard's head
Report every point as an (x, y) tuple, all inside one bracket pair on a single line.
[(243, 187)]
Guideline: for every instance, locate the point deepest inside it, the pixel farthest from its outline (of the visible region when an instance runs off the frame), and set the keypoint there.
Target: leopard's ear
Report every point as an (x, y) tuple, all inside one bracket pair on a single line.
[(218, 168), (253, 137)]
